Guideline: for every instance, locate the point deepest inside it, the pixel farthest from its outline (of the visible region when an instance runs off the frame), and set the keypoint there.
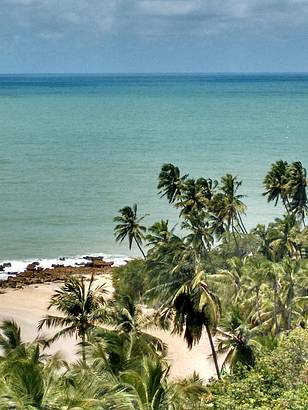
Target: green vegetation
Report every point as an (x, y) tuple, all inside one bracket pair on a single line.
[(246, 291)]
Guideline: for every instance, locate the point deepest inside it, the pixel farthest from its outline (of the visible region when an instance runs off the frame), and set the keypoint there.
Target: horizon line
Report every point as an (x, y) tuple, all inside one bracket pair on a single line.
[(161, 73)]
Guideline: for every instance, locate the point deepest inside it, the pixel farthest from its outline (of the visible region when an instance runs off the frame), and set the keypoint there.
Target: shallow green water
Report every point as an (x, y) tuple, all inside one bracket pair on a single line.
[(76, 149)]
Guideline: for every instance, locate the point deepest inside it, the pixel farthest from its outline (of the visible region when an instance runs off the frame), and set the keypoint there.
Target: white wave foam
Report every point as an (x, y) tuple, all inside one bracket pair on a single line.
[(18, 266)]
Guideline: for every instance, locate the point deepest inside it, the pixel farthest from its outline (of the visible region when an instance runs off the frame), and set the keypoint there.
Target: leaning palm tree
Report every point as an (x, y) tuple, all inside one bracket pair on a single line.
[(81, 307), (170, 182), (129, 226)]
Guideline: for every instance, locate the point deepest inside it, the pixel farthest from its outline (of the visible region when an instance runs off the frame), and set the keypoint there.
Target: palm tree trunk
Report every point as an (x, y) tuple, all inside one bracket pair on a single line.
[(213, 351), (141, 250), (275, 308), (241, 223), (83, 349), (258, 304)]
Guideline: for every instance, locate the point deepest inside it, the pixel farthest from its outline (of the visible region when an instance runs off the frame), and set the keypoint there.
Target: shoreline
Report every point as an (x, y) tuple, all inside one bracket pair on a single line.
[(9, 268), (25, 297), (35, 273)]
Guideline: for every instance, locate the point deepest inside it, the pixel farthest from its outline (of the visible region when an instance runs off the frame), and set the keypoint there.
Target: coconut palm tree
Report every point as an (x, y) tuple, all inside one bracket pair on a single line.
[(275, 183), (10, 338), (297, 186), (235, 340), (81, 307), (149, 385), (28, 381), (227, 205), (264, 240), (232, 275), (200, 236), (129, 226), (196, 307), (196, 195), (133, 320), (283, 236), (254, 280), (170, 182), (159, 233)]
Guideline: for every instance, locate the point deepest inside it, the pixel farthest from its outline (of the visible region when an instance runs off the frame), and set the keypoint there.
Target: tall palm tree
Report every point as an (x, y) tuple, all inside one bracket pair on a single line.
[(129, 226), (81, 307), (170, 182), (275, 183), (196, 195), (264, 240), (200, 236), (228, 207), (255, 273), (196, 306), (297, 186)]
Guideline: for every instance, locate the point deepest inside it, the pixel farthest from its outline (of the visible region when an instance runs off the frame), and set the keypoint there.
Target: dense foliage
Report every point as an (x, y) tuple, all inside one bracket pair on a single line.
[(247, 291)]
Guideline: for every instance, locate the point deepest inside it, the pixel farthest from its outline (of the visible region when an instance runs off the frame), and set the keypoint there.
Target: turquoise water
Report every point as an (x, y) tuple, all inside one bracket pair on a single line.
[(74, 149)]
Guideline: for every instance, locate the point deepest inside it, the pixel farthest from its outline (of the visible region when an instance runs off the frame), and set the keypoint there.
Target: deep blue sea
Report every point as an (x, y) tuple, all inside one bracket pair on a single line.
[(74, 149)]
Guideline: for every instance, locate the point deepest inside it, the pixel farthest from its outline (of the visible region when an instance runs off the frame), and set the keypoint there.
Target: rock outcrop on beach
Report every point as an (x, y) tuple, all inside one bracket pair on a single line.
[(35, 274)]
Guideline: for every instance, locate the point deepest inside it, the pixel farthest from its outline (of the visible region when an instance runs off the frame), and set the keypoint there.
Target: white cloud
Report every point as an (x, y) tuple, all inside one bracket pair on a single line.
[(55, 19)]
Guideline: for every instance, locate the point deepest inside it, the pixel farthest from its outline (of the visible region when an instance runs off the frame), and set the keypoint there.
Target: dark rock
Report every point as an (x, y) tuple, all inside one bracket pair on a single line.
[(7, 264), (98, 262), (32, 266)]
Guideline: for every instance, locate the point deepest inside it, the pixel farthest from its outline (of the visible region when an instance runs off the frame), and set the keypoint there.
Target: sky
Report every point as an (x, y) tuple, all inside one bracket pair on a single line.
[(153, 36)]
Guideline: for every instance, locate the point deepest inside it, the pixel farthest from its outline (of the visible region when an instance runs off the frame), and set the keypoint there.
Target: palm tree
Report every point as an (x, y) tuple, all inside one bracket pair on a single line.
[(129, 226), (296, 186), (275, 183), (10, 339), (148, 385), (200, 236), (234, 340), (170, 182), (159, 233), (196, 195), (255, 273), (283, 235), (196, 306), (81, 309), (131, 319), (228, 207), (264, 240), (29, 379)]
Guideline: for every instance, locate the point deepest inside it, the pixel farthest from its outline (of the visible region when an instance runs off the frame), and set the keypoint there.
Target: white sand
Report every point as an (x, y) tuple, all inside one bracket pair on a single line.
[(27, 306)]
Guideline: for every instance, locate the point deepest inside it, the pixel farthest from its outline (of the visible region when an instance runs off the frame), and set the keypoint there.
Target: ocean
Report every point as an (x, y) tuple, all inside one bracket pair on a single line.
[(76, 148)]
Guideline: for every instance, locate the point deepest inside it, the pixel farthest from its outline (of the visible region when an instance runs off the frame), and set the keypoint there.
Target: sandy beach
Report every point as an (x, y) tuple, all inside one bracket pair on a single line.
[(28, 305)]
